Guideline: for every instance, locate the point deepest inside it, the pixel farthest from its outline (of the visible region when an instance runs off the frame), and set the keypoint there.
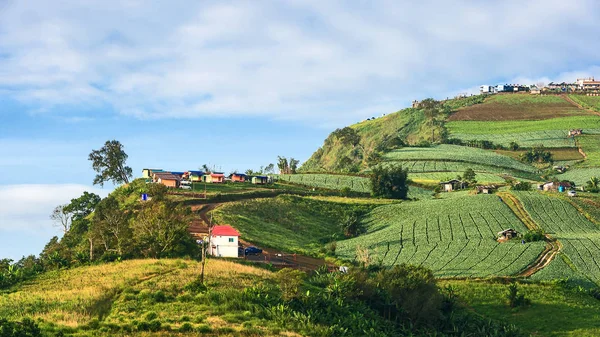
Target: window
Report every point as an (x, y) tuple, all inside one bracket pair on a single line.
[(230, 239)]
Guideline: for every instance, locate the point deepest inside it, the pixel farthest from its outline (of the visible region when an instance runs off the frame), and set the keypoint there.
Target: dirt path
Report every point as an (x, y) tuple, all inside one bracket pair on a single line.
[(553, 246)]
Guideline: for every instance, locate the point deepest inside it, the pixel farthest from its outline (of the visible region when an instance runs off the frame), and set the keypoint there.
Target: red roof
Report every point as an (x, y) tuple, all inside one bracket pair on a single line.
[(224, 230), (217, 175)]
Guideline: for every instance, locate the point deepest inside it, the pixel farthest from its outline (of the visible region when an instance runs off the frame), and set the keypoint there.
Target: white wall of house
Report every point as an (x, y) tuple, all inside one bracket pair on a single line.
[(224, 246)]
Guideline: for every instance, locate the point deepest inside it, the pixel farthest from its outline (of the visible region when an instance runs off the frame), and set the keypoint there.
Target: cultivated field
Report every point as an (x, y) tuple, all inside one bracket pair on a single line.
[(454, 237), (580, 237), (590, 144), (458, 153), (588, 102), (507, 127), (435, 177), (549, 138), (579, 176), (517, 107), (338, 182)]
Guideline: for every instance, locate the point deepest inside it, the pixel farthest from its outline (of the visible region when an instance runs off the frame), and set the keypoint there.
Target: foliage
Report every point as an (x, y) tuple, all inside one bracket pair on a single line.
[(581, 176), (537, 155), (521, 186), (290, 281), (513, 146), (157, 192), (534, 235), (109, 163), (454, 237), (83, 206), (389, 182), (469, 176), (286, 166), (26, 328), (515, 299)]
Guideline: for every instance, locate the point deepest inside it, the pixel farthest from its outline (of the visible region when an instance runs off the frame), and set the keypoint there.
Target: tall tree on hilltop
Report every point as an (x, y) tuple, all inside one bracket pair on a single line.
[(294, 165), (109, 163), (83, 206), (282, 165), (62, 217)]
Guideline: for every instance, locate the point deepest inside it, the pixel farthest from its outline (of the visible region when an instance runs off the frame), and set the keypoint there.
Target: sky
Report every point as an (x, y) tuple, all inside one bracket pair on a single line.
[(234, 84)]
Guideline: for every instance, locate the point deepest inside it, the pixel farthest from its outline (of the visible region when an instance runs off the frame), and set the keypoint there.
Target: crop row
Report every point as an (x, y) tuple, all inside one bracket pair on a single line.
[(580, 175), (548, 138), (454, 237), (459, 153), (580, 237)]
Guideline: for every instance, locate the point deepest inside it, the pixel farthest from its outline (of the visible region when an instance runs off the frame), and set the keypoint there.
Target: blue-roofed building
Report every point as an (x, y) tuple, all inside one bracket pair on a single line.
[(260, 180), (195, 175)]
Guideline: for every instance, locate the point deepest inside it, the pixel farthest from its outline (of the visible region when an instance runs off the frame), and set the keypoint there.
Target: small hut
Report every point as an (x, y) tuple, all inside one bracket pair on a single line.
[(486, 189), (507, 234), (452, 185), (260, 180)]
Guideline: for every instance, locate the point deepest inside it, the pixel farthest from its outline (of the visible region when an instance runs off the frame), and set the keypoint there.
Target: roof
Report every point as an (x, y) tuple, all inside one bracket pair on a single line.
[(224, 230), (217, 175), (261, 177), (450, 181), (166, 176), (239, 174), (155, 170), (196, 173), (177, 173)]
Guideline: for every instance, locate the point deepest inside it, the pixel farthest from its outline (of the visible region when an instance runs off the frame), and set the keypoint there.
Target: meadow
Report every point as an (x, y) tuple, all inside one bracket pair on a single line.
[(455, 237), (517, 107), (588, 102), (579, 237), (142, 297), (554, 311), (458, 153)]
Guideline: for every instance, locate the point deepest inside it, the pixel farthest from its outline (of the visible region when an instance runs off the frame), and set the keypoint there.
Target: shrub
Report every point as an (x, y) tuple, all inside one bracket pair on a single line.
[(150, 316), (186, 327), (290, 281), (535, 235), (389, 182), (514, 298), (521, 186), (26, 328), (203, 328)]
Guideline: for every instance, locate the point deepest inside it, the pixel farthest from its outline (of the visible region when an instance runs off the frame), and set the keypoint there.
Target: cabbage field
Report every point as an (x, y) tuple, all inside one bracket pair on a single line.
[(580, 175), (580, 237), (548, 138), (338, 182), (434, 177), (455, 153), (454, 237)]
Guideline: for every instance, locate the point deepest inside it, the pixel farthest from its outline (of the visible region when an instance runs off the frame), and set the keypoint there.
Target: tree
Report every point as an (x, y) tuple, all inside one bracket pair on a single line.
[(62, 218), (83, 206), (205, 168), (110, 226), (270, 168), (282, 165), (109, 163), (389, 182), (293, 165), (513, 146), (469, 175), (593, 185)]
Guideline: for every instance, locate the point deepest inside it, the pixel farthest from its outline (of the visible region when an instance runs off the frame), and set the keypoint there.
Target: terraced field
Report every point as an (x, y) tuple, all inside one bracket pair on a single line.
[(338, 182), (590, 144), (588, 102), (454, 237), (434, 177), (517, 107), (580, 237), (458, 154), (580, 175)]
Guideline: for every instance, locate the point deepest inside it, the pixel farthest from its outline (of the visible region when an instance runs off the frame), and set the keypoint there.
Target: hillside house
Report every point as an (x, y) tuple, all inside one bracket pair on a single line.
[(238, 177), (575, 132), (167, 179), (486, 89), (535, 90), (194, 176), (588, 84), (557, 186), (452, 185), (149, 173), (214, 178), (179, 174), (224, 241), (486, 189), (260, 180), (507, 234)]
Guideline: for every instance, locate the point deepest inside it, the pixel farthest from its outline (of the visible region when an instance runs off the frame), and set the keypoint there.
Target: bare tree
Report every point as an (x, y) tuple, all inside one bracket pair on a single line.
[(62, 218)]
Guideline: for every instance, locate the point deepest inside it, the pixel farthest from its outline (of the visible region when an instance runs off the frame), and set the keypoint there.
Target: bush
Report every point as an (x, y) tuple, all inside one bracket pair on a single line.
[(514, 298), (186, 327), (535, 235), (389, 182), (25, 328), (521, 186)]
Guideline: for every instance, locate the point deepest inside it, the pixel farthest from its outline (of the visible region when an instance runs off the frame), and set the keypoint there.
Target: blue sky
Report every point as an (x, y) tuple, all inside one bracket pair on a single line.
[(236, 83)]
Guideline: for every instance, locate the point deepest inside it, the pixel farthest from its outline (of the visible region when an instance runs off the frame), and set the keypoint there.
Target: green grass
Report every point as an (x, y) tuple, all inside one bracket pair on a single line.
[(458, 153), (554, 312), (337, 182), (580, 237), (454, 237), (548, 138), (434, 177), (590, 144), (579, 175), (117, 298), (589, 102), (288, 223), (508, 127)]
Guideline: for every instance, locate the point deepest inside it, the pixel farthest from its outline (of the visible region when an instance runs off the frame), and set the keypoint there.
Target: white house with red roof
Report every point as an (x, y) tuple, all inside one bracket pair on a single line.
[(224, 241)]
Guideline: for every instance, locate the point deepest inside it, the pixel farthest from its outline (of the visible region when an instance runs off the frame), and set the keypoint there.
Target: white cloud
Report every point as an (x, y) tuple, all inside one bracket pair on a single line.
[(26, 208), (327, 61)]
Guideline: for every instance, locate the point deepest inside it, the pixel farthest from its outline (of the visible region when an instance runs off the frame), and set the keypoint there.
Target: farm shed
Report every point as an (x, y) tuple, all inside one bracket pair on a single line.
[(452, 185), (213, 178), (238, 177), (167, 179), (224, 241), (575, 132), (148, 173), (260, 180), (507, 234), (486, 189), (557, 186)]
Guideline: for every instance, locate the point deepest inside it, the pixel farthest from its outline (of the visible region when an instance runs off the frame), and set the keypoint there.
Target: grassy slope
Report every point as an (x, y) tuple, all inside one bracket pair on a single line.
[(291, 224), (108, 299), (554, 311), (589, 102), (455, 237)]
